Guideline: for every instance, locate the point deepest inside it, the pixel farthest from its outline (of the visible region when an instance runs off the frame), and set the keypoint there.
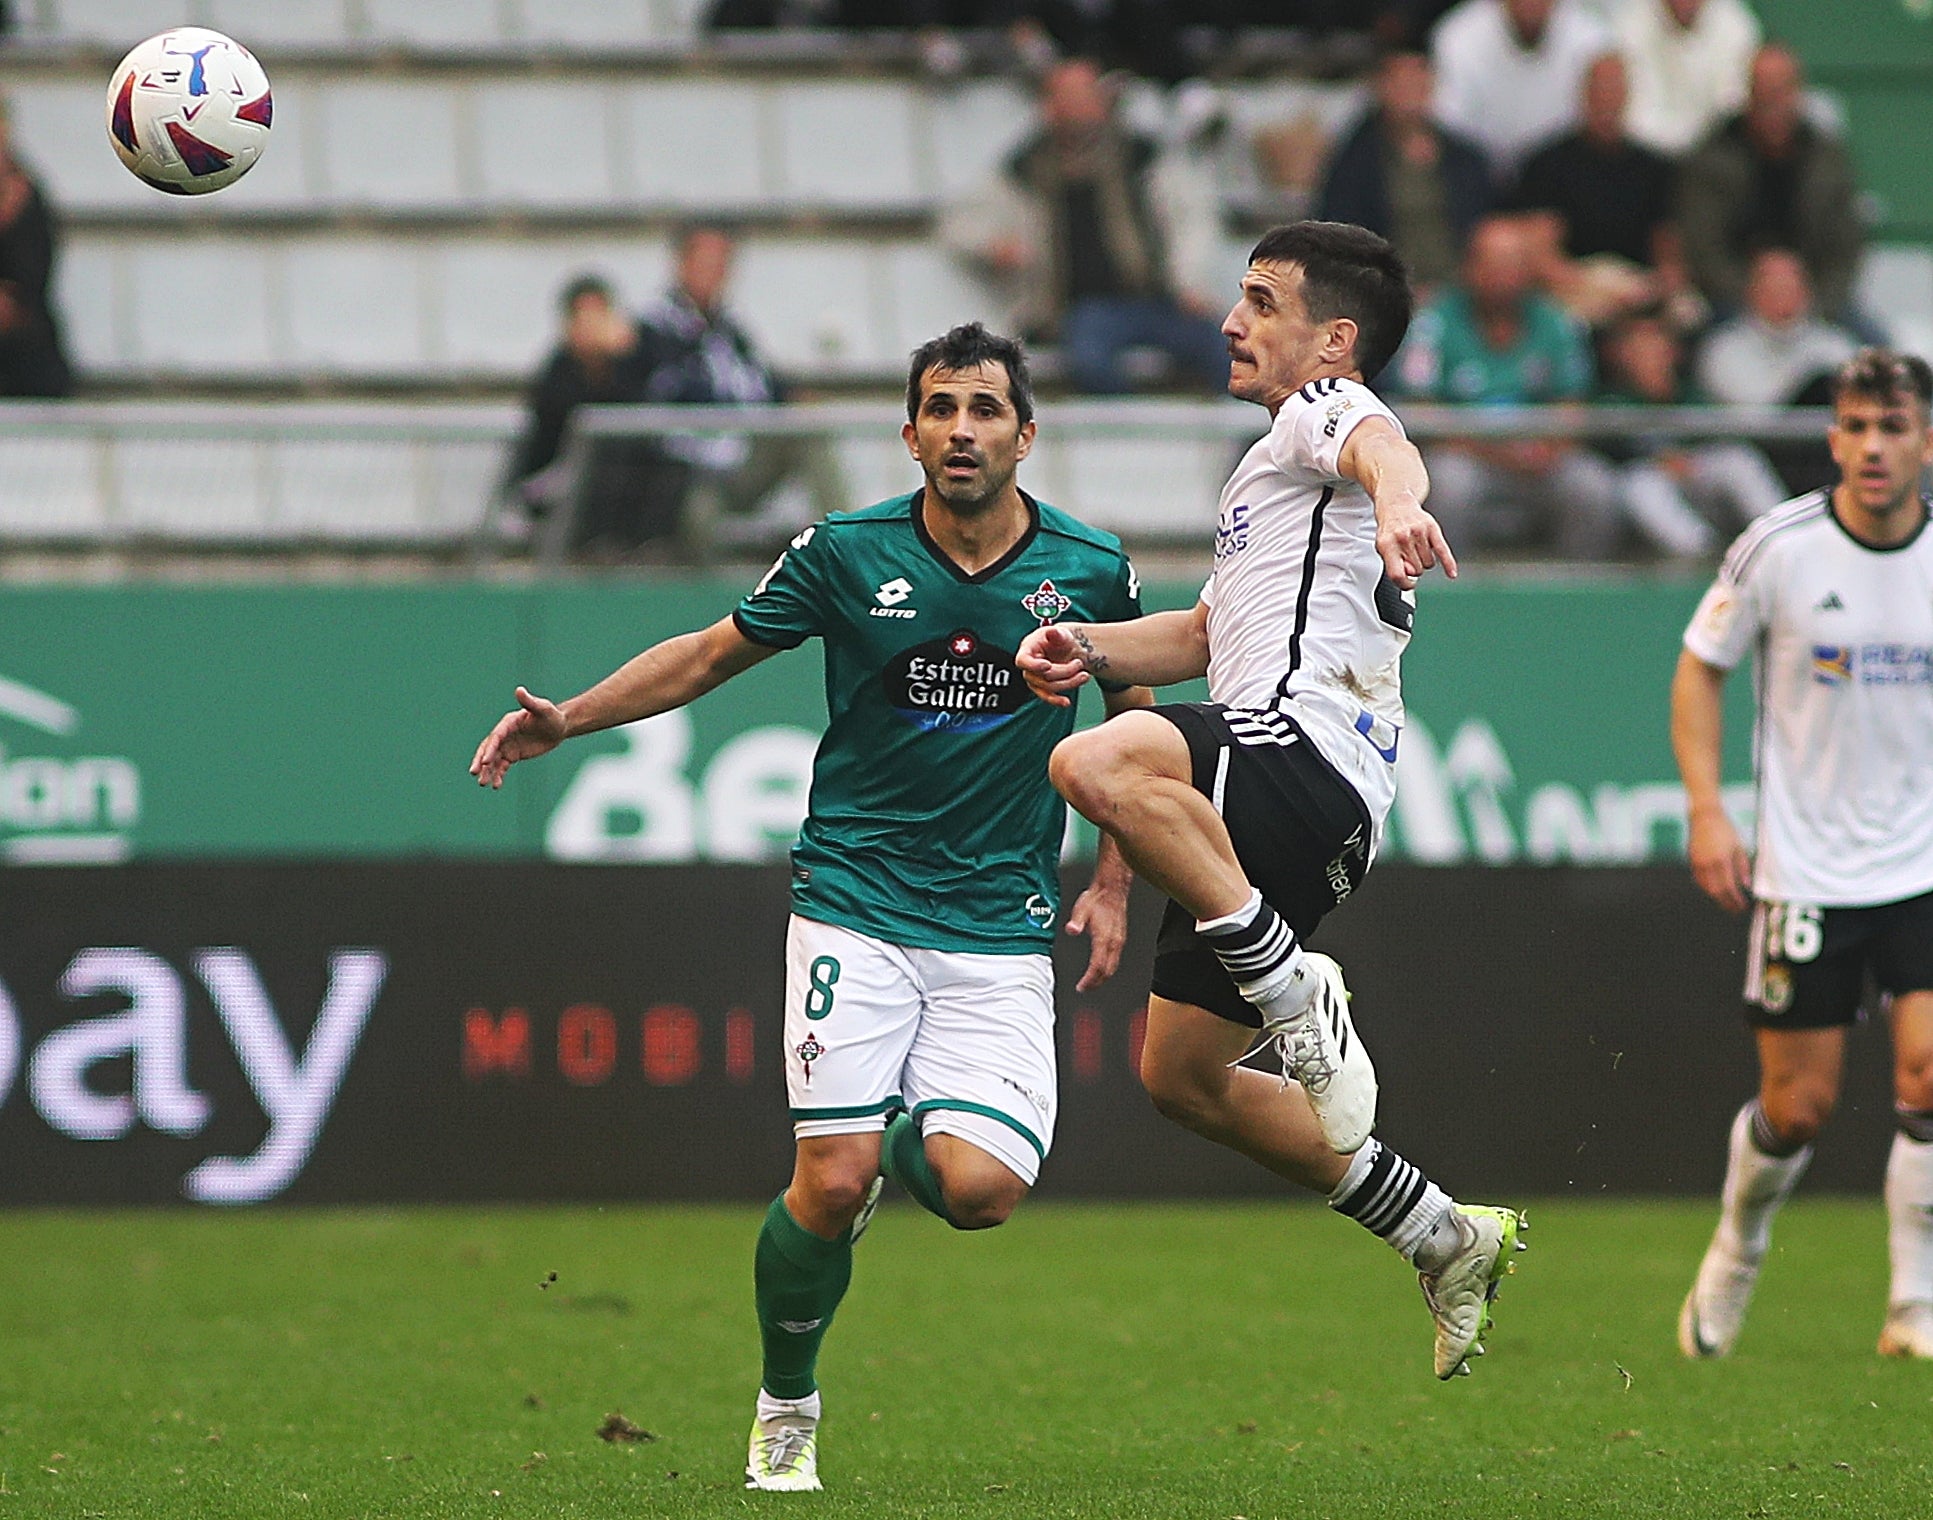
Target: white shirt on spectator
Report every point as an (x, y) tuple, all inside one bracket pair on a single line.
[(1507, 97), (1684, 80), (1746, 362)]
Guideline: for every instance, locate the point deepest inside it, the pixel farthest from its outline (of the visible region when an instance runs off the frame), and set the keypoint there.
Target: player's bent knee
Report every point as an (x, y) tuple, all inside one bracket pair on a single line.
[(981, 1191), (1799, 1117), (984, 1208), (1178, 1090), (832, 1184), (1077, 769)]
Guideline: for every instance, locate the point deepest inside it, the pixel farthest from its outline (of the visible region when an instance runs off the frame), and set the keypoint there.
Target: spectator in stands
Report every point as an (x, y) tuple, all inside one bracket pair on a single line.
[(1494, 340), (691, 349), (1405, 177), (1683, 496), (1688, 60), (1770, 177), (620, 483), (1776, 349), (1083, 227), (1508, 72), (32, 363), (1775, 353), (1600, 209)]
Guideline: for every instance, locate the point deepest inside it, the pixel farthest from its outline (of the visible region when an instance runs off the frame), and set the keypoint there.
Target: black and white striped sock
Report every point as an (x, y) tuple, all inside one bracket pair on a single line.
[(1389, 1197), (1257, 947)]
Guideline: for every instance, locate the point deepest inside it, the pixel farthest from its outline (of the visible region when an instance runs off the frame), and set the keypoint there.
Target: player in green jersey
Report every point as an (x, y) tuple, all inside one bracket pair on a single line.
[(919, 990)]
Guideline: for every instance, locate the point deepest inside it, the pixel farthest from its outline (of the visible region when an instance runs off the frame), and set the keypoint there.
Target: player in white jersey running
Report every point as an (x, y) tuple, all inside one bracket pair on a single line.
[(1833, 594), (1260, 810)]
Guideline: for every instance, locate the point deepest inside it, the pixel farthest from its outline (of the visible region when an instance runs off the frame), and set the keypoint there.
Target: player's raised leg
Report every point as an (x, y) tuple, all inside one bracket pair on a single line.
[(1461, 1252), (1768, 1151), (1909, 1182), (1154, 780)]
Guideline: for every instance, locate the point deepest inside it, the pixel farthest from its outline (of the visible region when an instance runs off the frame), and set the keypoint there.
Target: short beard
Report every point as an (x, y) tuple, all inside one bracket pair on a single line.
[(976, 505)]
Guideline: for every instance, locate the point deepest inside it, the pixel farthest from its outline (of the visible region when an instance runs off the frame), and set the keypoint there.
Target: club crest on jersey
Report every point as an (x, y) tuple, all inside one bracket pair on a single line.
[(889, 596), (809, 1050), (1338, 409), (959, 683), (1046, 603), (1831, 664)]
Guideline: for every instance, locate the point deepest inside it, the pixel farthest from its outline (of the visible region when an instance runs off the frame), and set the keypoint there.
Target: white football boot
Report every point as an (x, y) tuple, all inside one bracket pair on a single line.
[(1461, 1291), (784, 1454), (1714, 1309), (1321, 1051)]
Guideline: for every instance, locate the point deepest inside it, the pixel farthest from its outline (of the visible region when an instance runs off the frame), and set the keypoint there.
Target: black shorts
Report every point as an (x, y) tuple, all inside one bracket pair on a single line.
[(1301, 833), (1807, 967)]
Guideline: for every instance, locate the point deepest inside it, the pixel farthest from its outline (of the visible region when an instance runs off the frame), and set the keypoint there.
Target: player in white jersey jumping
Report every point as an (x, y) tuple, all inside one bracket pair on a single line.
[(1833, 593), (1260, 810)]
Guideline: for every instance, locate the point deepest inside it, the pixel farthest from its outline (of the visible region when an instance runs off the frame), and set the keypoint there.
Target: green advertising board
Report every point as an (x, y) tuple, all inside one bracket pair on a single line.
[(338, 722)]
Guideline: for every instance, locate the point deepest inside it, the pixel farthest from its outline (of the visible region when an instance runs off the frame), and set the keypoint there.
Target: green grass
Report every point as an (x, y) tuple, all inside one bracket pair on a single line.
[(1116, 1362)]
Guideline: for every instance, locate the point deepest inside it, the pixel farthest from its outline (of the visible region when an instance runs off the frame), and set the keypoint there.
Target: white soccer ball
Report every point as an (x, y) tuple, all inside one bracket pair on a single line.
[(189, 111)]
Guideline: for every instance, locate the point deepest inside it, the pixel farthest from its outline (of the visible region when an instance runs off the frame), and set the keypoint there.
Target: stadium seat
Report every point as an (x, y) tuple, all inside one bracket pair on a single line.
[(816, 307), (201, 306), (92, 316), (204, 489), (1141, 487), (545, 143), (1896, 290), (348, 492), (50, 491), (59, 130), (929, 292), (390, 145), (355, 306), (849, 146), (285, 24), (974, 127), (592, 24), (112, 23), (691, 145), (466, 24)]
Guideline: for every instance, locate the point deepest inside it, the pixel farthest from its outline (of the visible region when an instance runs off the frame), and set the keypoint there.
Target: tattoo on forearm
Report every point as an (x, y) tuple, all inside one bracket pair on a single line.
[(1091, 658)]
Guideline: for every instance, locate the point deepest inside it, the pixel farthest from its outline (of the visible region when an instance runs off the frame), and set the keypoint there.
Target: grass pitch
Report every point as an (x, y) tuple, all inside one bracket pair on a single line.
[(1119, 1362)]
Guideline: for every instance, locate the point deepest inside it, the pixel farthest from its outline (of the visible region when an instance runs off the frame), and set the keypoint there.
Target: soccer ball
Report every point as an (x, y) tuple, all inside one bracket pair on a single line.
[(188, 111)]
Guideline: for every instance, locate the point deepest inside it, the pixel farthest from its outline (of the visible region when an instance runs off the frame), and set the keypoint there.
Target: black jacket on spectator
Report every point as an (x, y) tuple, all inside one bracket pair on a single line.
[(561, 386), (32, 362), (1354, 189), (1611, 202)]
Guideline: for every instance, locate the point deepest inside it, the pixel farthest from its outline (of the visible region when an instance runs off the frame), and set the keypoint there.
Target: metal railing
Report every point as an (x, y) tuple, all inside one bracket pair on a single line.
[(431, 476)]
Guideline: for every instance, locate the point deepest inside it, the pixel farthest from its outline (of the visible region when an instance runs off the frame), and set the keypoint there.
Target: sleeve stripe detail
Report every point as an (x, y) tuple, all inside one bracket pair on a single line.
[(1794, 514)]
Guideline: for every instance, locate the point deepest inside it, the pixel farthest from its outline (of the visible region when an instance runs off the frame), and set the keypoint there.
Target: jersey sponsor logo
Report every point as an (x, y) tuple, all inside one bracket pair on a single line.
[(1872, 664), (1336, 412), (1231, 536), (1830, 603), (1039, 1100), (1831, 664), (956, 683), (1046, 603), (1719, 612)]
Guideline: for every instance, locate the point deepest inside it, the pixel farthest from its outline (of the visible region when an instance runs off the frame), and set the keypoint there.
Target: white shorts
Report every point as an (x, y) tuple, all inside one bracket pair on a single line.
[(963, 1042)]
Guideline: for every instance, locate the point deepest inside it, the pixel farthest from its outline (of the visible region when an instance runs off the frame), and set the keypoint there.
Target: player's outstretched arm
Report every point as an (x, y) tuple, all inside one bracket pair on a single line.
[(1719, 863), (1388, 466), (1157, 650), (1101, 912), (665, 676)]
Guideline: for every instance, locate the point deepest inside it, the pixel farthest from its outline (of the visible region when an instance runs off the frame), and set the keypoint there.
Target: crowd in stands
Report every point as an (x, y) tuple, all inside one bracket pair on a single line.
[(1634, 201)]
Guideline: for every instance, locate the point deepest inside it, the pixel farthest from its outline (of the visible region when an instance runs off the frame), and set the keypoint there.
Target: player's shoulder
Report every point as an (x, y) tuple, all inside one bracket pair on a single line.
[(1772, 538), (1070, 530), (894, 509)]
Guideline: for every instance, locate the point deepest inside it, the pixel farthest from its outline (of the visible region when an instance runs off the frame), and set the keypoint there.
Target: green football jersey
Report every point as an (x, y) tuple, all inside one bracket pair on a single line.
[(931, 822)]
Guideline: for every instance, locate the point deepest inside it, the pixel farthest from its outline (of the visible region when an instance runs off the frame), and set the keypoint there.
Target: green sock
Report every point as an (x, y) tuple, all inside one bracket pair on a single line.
[(798, 1279), (903, 1158)]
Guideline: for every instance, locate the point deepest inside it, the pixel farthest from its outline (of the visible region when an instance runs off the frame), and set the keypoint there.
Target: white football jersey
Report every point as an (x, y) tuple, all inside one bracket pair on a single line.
[(1300, 613), (1842, 636)]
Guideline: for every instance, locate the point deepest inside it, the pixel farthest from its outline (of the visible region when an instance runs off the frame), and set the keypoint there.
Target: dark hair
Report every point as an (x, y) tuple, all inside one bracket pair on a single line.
[(967, 347), (1880, 374), (1347, 271), (585, 285)]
